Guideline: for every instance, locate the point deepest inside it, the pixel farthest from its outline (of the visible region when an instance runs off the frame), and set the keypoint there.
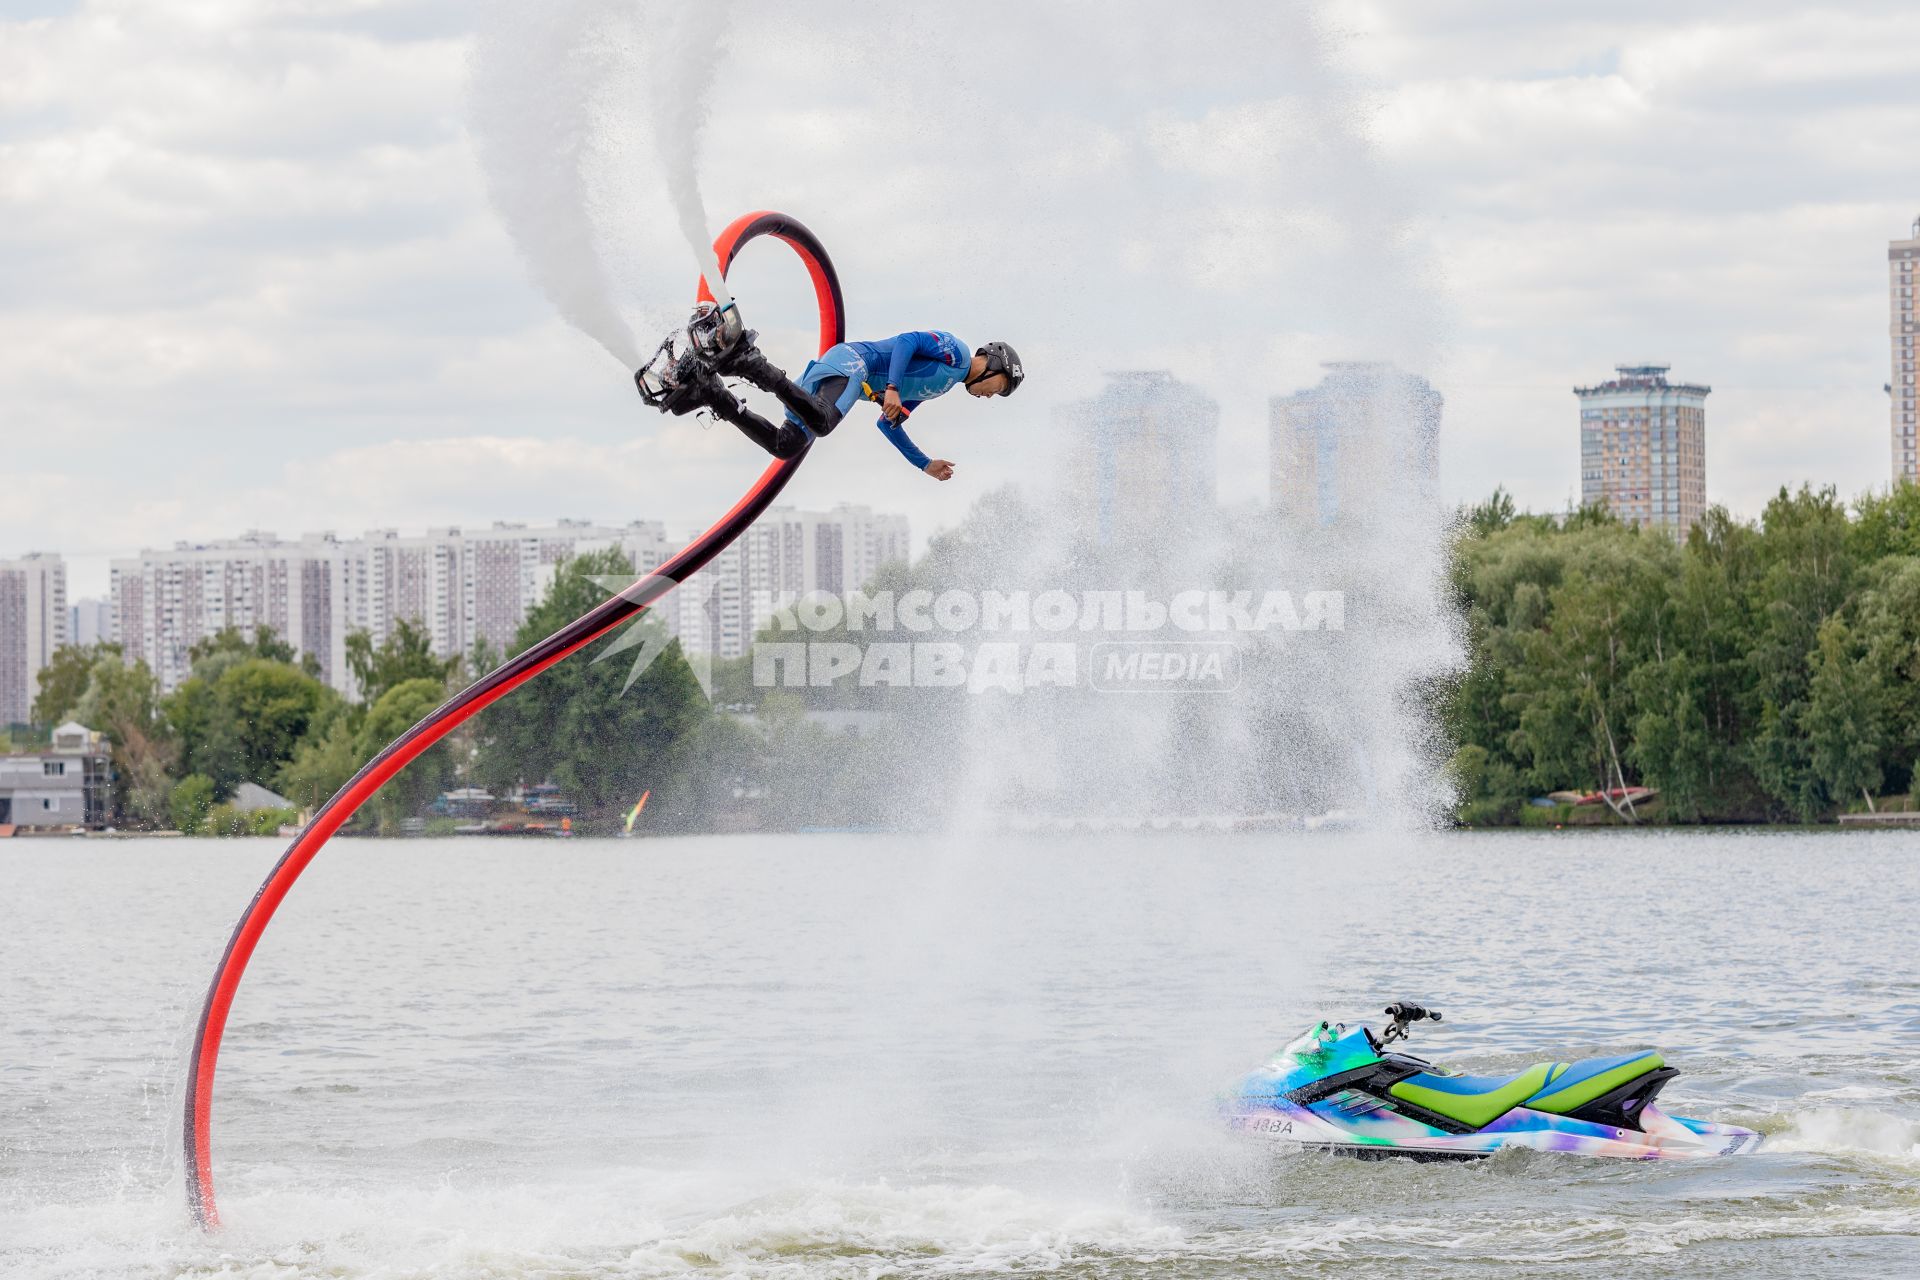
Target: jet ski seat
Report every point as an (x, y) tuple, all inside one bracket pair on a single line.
[(1574, 1085), (1472, 1100), (1557, 1087)]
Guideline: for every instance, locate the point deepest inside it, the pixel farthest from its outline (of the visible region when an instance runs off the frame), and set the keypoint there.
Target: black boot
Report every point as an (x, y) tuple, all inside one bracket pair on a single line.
[(688, 387), (695, 386), (748, 363), (781, 439), (744, 360)]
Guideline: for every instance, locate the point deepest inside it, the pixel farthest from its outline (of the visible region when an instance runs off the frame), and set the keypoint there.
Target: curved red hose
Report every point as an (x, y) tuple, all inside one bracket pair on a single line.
[(197, 1119)]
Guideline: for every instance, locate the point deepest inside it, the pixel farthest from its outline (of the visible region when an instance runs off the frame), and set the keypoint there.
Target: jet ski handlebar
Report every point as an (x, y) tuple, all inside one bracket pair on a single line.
[(1404, 1014)]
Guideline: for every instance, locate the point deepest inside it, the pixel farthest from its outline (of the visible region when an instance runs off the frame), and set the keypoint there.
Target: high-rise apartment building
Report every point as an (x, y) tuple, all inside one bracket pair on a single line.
[(1643, 448), (1368, 434), (457, 585), (89, 622), (1903, 327), (464, 585), (785, 555), (33, 623), (162, 603), (1143, 456)]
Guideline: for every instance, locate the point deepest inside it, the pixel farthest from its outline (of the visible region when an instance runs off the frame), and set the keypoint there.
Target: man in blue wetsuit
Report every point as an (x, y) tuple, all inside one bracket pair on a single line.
[(899, 373)]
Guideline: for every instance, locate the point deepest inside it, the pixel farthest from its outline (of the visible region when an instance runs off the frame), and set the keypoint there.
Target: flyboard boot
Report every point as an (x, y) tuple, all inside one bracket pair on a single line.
[(682, 382), (718, 333)]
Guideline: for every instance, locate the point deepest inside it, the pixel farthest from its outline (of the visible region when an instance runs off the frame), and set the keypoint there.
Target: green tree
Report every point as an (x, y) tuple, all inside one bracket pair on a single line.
[(1844, 719), (1806, 573), (1886, 524), (481, 659), (406, 654), (191, 801), (123, 703), (409, 792), (575, 726), (254, 716), (262, 643), (1493, 515), (1884, 622), (322, 762), (63, 681), (1672, 742), (1610, 614), (188, 715)]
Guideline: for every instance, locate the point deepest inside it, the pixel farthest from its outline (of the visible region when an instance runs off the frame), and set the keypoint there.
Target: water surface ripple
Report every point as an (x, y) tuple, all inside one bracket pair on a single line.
[(871, 1056)]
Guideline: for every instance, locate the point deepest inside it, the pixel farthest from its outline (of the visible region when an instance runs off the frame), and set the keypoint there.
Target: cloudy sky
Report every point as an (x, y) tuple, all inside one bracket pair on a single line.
[(306, 265)]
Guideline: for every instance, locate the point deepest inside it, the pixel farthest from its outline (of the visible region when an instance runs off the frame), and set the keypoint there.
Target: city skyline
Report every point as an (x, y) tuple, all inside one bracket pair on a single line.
[(457, 585)]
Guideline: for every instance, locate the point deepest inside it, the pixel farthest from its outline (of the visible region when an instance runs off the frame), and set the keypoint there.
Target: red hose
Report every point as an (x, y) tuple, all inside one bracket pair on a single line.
[(197, 1120)]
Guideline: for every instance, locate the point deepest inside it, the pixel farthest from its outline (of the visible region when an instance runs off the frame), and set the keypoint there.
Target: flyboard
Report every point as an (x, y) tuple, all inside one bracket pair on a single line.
[(197, 1121)]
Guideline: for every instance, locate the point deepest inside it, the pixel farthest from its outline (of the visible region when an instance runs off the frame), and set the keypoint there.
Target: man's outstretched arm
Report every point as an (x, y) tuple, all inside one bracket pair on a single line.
[(938, 468), (897, 436)]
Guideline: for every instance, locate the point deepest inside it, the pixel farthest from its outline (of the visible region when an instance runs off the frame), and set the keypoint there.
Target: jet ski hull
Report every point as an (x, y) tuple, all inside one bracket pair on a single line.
[(1663, 1137), (1341, 1090)]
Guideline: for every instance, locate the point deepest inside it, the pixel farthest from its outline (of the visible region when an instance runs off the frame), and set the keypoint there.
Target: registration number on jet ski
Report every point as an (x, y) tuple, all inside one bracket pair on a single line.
[(1265, 1124)]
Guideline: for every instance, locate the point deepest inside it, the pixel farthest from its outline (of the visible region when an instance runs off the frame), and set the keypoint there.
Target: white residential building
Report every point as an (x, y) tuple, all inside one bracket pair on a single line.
[(89, 622), (33, 623), (461, 585), (785, 555), (67, 783), (458, 585), (162, 603)]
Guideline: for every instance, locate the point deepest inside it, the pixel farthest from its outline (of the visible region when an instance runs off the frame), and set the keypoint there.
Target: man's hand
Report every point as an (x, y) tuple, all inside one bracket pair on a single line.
[(890, 407), (940, 469)]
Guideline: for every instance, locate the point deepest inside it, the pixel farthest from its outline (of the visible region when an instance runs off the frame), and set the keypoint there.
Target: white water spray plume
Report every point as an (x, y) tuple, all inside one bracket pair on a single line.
[(537, 76), (551, 94), (679, 96)]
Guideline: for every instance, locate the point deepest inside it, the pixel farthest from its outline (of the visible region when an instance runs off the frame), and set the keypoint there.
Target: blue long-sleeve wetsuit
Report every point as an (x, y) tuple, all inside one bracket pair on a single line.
[(919, 365)]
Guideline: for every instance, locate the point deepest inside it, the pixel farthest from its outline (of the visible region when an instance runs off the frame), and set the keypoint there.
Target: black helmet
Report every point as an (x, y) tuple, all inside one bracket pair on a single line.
[(1001, 358)]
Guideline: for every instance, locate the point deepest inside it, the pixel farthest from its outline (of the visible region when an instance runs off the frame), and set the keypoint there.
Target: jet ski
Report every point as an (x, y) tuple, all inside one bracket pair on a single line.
[(1345, 1091)]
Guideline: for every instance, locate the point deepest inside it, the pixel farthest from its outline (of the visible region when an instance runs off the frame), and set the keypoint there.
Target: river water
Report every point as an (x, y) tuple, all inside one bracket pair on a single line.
[(900, 1056)]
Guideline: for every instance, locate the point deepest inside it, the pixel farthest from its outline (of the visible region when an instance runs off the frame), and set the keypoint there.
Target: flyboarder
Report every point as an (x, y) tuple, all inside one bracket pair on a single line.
[(898, 373)]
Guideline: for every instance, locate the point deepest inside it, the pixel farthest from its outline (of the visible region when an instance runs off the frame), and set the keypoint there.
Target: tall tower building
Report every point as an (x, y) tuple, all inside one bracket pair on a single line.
[(1368, 434), (1903, 264), (33, 623), (1143, 456), (1643, 448)]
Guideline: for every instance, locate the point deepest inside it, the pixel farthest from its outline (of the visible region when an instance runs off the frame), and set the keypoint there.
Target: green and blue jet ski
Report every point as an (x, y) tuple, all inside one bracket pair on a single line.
[(1344, 1090)]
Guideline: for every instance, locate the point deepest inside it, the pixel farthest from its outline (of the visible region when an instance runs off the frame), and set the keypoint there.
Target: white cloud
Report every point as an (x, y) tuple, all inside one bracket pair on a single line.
[(249, 271)]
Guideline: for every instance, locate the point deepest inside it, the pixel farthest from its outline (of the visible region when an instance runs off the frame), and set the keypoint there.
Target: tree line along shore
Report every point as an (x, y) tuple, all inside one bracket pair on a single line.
[(1755, 672)]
